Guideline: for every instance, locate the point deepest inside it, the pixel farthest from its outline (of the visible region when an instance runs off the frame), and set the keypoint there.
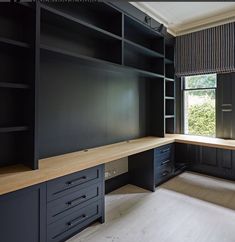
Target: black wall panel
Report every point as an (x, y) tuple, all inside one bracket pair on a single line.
[(82, 106)]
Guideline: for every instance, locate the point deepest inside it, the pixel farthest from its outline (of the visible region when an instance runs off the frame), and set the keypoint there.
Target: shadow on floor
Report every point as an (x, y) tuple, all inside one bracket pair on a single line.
[(210, 189)]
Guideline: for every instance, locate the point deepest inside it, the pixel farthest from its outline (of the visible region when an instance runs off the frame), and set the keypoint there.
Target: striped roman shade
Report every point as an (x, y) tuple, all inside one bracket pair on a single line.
[(206, 51)]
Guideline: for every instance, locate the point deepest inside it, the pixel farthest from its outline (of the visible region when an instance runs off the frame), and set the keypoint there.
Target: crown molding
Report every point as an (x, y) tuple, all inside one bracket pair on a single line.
[(146, 9), (193, 26)]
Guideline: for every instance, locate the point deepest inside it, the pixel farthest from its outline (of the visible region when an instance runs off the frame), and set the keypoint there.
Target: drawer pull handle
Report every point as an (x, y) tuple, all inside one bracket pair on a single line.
[(165, 173), (165, 162), (165, 150), (76, 181), (76, 201), (76, 221)]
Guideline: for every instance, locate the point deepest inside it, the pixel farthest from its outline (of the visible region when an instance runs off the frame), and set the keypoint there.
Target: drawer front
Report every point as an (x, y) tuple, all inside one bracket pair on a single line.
[(74, 223), (68, 184), (164, 173), (163, 161), (66, 205), (165, 150)]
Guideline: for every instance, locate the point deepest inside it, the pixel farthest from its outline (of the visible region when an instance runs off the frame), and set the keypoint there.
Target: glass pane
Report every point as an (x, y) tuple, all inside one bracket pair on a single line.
[(199, 112), (203, 81)]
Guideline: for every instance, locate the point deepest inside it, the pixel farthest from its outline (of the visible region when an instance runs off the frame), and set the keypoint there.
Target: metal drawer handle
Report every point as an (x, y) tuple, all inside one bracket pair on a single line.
[(227, 110), (77, 220), (165, 173), (165, 150), (76, 181), (165, 162), (76, 201)]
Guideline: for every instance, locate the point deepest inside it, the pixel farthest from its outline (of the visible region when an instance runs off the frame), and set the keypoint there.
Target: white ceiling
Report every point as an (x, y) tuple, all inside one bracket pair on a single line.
[(185, 17)]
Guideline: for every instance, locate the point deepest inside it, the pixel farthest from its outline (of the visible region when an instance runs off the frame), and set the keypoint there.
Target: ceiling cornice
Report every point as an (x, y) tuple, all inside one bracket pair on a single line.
[(185, 28)]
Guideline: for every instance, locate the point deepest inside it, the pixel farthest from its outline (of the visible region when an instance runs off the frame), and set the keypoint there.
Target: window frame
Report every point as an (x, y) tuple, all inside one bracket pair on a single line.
[(183, 90)]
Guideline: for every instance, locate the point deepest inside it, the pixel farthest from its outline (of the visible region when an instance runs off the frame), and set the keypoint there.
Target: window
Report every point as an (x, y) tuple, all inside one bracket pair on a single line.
[(199, 104)]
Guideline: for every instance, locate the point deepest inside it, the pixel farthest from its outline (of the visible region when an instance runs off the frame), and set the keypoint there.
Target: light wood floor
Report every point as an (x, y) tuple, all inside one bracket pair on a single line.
[(188, 208)]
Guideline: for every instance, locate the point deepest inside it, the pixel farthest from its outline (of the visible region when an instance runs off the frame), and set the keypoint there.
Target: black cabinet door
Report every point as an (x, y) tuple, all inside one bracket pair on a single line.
[(23, 215), (208, 156), (225, 104), (226, 161)]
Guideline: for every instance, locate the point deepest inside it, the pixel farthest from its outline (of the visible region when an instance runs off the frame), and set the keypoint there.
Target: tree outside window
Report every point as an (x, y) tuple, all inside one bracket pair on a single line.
[(199, 105)]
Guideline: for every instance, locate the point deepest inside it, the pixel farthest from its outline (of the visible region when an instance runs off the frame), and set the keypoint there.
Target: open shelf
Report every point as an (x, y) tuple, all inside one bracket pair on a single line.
[(15, 24), (169, 71), (144, 50), (170, 125), (71, 36), (16, 73), (143, 35), (170, 88), (101, 63), (135, 57), (14, 148), (99, 15), (169, 53), (170, 106), (14, 108)]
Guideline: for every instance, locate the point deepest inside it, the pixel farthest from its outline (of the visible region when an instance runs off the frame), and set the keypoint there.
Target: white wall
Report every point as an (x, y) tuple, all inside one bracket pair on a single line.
[(115, 168)]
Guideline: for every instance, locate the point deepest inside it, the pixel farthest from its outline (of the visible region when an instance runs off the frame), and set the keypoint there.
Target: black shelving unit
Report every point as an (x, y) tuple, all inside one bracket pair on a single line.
[(169, 88), (17, 82), (39, 41)]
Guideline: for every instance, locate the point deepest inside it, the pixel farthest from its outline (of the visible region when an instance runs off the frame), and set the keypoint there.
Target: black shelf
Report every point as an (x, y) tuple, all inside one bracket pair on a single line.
[(99, 16), (63, 15), (169, 116), (135, 57), (15, 24), (17, 84), (13, 85), (169, 79), (13, 129), (144, 50), (168, 61), (65, 34), (6, 41), (169, 88), (170, 98), (97, 61), (143, 35)]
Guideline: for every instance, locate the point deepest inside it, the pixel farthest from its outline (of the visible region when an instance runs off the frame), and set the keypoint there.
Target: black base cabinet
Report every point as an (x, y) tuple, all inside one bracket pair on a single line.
[(73, 202), (23, 215), (150, 168), (206, 160), (55, 210)]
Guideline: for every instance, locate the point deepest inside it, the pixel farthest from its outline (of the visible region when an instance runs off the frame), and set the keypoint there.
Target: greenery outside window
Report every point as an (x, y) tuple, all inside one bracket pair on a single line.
[(199, 95)]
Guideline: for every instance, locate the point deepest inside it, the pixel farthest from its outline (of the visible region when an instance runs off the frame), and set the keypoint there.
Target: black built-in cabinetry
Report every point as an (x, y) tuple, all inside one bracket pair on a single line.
[(55, 210), (17, 85), (225, 103), (207, 160), (150, 168), (69, 49)]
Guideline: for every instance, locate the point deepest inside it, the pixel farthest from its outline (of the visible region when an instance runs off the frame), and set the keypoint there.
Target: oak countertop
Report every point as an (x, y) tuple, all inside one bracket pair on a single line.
[(16, 177)]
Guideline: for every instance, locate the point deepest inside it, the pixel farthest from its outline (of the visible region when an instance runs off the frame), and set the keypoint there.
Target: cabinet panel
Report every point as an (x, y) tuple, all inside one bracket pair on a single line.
[(23, 215), (224, 158), (208, 156)]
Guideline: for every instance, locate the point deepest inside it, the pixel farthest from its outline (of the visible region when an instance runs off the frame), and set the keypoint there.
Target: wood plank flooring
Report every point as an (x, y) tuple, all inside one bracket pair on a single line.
[(188, 208)]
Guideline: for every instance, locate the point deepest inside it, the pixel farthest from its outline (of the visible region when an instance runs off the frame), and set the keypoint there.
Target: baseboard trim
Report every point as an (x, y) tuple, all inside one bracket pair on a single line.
[(116, 182)]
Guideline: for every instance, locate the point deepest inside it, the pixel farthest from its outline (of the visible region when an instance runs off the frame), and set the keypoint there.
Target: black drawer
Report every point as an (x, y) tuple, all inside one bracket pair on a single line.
[(71, 183), (66, 205), (74, 223), (164, 161), (163, 150), (161, 174)]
